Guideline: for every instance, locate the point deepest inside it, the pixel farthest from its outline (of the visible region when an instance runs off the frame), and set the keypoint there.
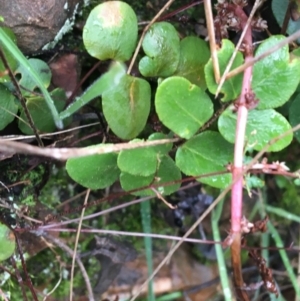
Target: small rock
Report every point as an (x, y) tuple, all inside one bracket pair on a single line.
[(35, 23)]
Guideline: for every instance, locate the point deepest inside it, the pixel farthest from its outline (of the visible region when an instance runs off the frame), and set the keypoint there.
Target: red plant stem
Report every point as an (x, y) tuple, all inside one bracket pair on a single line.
[(237, 188)]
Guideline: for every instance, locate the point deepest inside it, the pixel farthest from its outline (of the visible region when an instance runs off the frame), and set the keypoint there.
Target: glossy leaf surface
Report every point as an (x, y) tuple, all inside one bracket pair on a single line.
[(276, 77), (194, 54), (17, 54), (8, 107), (206, 153), (167, 172), (231, 87), (94, 172), (182, 106), (161, 45), (262, 126), (127, 106), (41, 68), (111, 31), (163, 148), (40, 113), (139, 161)]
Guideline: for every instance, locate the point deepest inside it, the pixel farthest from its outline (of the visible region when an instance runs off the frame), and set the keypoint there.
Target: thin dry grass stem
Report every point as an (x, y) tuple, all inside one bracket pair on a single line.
[(212, 39), (3, 297), (136, 234), (258, 58), (68, 250), (137, 49), (222, 80), (159, 196), (67, 153), (16, 116), (26, 137), (55, 286), (209, 209), (76, 243), (75, 197), (61, 264)]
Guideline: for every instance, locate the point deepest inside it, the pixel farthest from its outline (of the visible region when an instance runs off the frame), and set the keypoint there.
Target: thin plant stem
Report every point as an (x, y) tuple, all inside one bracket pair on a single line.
[(215, 217), (283, 213), (237, 47), (286, 262), (212, 39), (76, 246), (237, 170), (69, 251), (258, 58), (146, 222)]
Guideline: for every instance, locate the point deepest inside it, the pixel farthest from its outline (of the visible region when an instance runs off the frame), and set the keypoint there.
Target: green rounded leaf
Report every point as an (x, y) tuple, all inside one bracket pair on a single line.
[(262, 126), (8, 107), (111, 31), (294, 115), (26, 81), (94, 172), (231, 87), (40, 113), (276, 77), (161, 45), (127, 106), (131, 182), (206, 153), (7, 242), (166, 173), (182, 106), (163, 148), (194, 54), (139, 161)]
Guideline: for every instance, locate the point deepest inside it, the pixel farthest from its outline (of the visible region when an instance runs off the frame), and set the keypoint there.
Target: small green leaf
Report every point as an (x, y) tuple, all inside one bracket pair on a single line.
[(163, 148), (39, 111), (43, 71), (139, 161), (161, 45), (131, 182), (4, 38), (276, 77), (194, 54), (105, 82), (231, 87), (7, 242), (111, 31), (94, 172), (8, 107), (262, 126), (206, 153), (11, 60), (167, 172), (127, 106), (294, 115), (182, 106)]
